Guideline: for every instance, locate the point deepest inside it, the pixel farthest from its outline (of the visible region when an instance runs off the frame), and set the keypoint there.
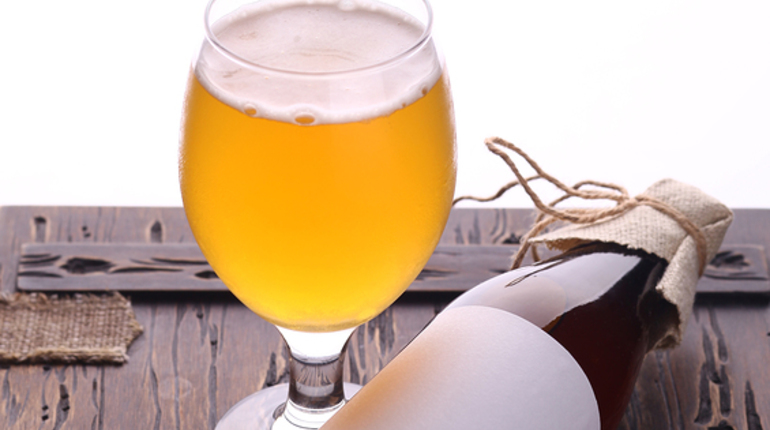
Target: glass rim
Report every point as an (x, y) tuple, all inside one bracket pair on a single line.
[(214, 41)]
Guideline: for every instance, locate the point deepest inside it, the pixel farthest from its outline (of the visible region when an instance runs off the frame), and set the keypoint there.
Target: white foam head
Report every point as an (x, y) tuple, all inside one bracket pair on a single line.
[(318, 62)]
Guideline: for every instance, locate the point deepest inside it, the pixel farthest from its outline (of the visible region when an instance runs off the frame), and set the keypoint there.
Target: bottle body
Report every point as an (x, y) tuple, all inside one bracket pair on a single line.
[(599, 302)]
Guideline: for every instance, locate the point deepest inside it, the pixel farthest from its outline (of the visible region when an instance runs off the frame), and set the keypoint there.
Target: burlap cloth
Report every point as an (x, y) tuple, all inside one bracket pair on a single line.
[(37, 328), (648, 229)]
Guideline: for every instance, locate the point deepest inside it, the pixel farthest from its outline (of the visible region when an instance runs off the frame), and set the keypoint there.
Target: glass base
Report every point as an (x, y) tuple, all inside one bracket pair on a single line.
[(260, 410)]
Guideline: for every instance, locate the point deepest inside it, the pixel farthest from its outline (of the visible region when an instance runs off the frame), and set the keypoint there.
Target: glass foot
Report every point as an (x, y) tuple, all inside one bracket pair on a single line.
[(260, 410)]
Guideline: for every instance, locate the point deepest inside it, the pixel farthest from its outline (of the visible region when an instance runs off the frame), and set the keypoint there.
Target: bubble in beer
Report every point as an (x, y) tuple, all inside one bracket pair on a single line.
[(424, 90), (304, 119), (250, 110)]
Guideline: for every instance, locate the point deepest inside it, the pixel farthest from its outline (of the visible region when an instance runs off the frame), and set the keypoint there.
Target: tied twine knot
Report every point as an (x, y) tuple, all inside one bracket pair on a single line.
[(549, 214)]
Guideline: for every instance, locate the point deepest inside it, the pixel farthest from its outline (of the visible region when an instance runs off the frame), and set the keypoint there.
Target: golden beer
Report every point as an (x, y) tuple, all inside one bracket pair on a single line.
[(317, 227)]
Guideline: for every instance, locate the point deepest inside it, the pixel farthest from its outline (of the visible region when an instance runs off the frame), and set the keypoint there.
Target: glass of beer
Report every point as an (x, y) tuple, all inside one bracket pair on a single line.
[(317, 168)]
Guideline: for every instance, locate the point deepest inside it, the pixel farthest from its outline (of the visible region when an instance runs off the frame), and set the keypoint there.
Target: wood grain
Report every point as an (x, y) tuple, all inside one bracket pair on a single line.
[(131, 267), (81, 267), (202, 352)]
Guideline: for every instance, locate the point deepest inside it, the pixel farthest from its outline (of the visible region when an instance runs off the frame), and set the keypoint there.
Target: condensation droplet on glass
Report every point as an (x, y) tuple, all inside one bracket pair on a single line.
[(304, 119), (424, 91), (250, 110)]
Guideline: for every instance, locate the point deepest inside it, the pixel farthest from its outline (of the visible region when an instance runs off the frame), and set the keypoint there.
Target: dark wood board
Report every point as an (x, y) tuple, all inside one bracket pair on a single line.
[(126, 267), (182, 267), (202, 352)]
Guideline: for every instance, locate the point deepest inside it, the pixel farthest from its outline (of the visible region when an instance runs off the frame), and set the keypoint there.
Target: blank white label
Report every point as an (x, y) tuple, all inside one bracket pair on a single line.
[(476, 367)]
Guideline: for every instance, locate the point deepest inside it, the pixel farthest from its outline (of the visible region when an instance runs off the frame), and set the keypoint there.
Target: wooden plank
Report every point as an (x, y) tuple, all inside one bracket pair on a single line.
[(122, 267), (50, 224), (174, 381), (713, 380), (737, 269), (52, 267), (182, 267)]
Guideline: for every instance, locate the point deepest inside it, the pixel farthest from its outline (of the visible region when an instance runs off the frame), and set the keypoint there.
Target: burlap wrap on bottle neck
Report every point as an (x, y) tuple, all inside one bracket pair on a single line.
[(672, 220), (650, 230)]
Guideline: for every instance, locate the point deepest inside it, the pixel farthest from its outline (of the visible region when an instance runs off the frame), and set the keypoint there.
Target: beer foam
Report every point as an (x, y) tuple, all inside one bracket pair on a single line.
[(318, 62)]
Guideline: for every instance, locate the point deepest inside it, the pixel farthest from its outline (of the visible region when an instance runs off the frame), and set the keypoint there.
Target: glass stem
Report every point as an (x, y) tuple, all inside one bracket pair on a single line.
[(315, 370)]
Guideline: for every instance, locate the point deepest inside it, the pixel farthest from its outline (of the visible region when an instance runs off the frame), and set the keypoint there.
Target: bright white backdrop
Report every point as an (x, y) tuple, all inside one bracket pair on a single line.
[(627, 92)]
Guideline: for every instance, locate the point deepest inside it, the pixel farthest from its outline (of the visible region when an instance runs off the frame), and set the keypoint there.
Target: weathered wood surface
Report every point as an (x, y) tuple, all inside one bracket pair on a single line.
[(202, 352), (181, 267)]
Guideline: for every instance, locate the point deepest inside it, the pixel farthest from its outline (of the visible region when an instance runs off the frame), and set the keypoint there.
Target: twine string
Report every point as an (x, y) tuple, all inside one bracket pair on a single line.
[(549, 213)]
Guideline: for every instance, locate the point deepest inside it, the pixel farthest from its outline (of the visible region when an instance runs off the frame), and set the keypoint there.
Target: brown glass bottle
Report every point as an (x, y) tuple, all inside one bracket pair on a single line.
[(599, 302)]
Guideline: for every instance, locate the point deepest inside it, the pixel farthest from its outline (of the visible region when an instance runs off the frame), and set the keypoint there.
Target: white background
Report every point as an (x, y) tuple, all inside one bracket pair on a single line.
[(619, 91)]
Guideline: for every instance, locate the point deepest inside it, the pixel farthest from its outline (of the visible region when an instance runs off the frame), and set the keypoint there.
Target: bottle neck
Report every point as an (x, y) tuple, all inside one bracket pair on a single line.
[(589, 274), (591, 270)]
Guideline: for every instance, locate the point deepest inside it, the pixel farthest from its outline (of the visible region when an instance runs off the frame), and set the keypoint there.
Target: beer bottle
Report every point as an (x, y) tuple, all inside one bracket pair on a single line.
[(599, 302), (558, 344)]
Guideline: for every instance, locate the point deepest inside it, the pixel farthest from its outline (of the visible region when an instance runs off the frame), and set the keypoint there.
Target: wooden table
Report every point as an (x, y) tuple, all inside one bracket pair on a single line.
[(201, 352)]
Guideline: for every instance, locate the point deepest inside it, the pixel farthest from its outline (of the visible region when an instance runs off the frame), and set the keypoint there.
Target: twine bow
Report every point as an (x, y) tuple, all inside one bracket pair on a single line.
[(549, 214)]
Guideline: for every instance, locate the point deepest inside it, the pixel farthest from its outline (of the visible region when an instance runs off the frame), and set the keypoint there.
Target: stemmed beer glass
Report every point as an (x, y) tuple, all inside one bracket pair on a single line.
[(317, 168)]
